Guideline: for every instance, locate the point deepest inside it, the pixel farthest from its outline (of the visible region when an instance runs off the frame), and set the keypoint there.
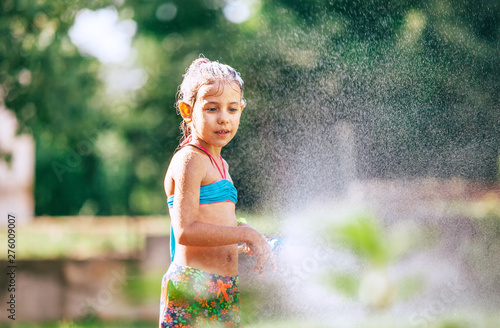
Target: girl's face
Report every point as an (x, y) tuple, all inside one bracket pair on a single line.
[(216, 113)]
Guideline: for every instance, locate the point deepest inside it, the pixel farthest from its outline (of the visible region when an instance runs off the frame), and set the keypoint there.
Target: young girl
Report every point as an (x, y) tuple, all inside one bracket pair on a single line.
[(200, 288)]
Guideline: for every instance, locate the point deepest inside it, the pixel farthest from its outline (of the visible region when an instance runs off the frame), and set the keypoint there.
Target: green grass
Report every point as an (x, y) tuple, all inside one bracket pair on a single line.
[(84, 237), (89, 237), (91, 324), (144, 287), (470, 320)]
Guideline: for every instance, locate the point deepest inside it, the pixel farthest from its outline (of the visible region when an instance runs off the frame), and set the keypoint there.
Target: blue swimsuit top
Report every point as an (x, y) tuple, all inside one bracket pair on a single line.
[(217, 192)]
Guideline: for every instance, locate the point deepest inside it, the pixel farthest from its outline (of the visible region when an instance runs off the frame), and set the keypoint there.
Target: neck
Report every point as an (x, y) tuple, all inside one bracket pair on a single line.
[(213, 150)]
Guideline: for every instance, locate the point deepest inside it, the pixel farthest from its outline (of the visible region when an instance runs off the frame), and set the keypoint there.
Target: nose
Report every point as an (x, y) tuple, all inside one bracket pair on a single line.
[(223, 117)]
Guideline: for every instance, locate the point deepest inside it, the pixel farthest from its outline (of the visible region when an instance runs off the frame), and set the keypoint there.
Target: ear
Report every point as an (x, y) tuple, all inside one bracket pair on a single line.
[(185, 111), (243, 104)]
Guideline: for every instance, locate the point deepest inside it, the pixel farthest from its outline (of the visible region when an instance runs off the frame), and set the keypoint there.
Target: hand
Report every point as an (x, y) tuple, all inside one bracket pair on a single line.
[(259, 248), (245, 248)]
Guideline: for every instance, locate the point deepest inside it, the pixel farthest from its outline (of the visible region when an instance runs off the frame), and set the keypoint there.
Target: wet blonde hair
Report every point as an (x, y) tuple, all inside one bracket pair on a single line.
[(201, 72)]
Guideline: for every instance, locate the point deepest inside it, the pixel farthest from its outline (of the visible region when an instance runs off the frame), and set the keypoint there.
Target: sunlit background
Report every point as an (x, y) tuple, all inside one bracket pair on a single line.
[(370, 144)]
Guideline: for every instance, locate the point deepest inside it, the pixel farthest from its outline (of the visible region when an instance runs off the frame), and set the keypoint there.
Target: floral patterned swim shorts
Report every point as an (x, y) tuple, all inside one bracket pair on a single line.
[(195, 298)]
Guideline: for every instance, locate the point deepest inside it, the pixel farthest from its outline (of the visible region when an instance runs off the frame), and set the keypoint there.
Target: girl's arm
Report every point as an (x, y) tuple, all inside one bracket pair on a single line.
[(185, 214)]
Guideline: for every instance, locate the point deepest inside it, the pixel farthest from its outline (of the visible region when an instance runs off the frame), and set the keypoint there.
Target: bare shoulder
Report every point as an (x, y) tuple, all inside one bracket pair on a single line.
[(187, 159), (184, 161)]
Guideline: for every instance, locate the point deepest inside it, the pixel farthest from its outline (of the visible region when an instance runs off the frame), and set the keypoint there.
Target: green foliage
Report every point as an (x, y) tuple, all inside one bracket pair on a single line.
[(144, 287), (87, 237), (362, 234), (347, 283), (409, 286), (485, 320), (376, 248), (89, 324), (364, 237), (419, 79)]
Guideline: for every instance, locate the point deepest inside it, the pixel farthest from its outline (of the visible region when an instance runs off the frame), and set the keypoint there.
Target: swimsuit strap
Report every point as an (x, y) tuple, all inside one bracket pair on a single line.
[(222, 161)]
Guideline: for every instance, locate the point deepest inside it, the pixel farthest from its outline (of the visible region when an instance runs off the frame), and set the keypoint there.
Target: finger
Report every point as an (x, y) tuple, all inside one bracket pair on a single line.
[(274, 266), (253, 250), (262, 268), (265, 259), (248, 250), (259, 267)]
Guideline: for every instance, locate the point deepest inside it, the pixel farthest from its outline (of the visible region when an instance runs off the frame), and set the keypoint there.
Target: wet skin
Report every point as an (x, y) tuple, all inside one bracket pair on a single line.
[(215, 119)]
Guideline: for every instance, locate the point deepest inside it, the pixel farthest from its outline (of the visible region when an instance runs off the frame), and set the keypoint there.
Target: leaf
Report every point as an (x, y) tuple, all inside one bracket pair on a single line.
[(347, 283)]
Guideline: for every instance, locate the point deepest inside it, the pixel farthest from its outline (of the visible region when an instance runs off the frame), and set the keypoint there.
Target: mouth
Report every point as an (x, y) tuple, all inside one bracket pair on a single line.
[(222, 132)]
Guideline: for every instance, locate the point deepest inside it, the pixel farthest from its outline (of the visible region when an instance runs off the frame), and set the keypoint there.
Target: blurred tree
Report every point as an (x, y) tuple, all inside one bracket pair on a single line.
[(420, 85), (418, 79), (50, 87)]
